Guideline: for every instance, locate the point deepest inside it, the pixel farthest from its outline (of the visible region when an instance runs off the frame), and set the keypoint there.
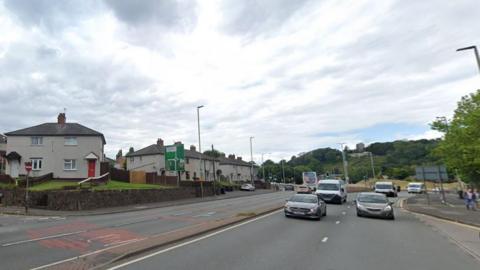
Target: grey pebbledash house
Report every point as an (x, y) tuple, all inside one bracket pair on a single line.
[(68, 150)]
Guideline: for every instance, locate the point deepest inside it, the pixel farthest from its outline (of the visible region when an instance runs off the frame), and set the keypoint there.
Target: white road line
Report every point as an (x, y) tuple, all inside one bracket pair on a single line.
[(344, 213), (125, 241), (337, 222), (41, 238), (325, 239), (81, 256), (193, 241), (348, 206)]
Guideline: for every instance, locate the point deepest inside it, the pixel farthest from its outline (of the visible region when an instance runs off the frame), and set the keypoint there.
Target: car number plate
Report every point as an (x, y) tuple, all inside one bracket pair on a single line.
[(298, 213)]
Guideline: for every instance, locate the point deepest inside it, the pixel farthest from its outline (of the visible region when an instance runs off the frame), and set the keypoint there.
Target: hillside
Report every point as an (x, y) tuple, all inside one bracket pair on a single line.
[(396, 159)]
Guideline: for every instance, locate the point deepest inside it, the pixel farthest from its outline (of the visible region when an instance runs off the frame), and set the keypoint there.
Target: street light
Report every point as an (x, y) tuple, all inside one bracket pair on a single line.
[(251, 160), (283, 171), (475, 51), (345, 166), (199, 140)]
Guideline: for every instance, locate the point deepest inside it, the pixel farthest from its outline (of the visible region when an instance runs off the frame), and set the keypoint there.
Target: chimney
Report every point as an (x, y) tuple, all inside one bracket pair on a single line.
[(193, 148), (222, 154), (177, 143), (159, 142), (231, 156), (61, 119), (239, 158)]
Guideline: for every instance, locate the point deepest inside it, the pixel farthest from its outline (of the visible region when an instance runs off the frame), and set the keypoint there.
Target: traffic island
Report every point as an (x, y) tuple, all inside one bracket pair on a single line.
[(453, 210)]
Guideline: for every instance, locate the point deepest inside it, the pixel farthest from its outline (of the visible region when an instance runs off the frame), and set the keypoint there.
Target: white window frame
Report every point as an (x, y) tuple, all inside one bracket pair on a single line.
[(72, 164), (71, 141), (37, 164), (36, 140)]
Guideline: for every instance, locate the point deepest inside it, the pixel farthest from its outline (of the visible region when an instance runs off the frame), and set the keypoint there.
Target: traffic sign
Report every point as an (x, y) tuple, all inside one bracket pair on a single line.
[(175, 157), (28, 166)]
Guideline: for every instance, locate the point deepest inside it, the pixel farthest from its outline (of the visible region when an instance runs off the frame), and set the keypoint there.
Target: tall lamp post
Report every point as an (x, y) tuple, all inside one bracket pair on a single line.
[(251, 161), (200, 148), (345, 166), (475, 50), (283, 170)]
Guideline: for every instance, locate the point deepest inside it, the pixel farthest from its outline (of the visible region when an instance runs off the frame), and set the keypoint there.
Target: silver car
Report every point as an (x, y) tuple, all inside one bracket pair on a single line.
[(305, 205), (374, 205)]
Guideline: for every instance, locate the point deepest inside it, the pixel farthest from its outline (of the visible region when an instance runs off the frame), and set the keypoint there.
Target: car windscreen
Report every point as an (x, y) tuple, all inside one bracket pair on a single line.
[(372, 199), (383, 186), (328, 186), (304, 199), (414, 186)]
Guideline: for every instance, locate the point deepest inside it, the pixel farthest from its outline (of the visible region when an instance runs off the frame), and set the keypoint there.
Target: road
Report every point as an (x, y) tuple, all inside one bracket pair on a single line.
[(339, 241), (43, 241)]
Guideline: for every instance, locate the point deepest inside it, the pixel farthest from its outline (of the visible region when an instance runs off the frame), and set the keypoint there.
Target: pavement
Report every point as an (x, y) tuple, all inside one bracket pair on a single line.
[(84, 242), (19, 210), (341, 240), (454, 209)]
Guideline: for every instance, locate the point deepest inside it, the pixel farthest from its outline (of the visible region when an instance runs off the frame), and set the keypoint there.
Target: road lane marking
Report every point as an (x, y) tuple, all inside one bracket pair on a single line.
[(124, 242), (325, 239), (206, 214), (344, 213), (41, 238), (338, 222), (193, 241), (348, 206)]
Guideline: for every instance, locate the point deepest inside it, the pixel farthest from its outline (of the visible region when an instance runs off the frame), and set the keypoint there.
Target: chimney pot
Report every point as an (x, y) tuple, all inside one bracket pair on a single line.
[(177, 143), (61, 119), (159, 142), (239, 158), (193, 148)]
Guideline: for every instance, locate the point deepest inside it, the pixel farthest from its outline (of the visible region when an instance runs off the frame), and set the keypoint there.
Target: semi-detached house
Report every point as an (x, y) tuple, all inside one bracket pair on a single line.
[(68, 150)]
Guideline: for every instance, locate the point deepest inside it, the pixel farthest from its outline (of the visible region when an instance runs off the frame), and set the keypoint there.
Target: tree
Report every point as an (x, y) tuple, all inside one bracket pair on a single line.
[(214, 153), (460, 148), (131, 150)]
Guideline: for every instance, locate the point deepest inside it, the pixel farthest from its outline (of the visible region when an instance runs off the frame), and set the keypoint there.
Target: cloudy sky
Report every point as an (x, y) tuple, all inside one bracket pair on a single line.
[(295, 74)]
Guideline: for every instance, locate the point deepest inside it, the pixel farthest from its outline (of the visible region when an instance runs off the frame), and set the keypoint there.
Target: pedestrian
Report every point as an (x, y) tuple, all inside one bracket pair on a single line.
[(474, 201), (467, 197)]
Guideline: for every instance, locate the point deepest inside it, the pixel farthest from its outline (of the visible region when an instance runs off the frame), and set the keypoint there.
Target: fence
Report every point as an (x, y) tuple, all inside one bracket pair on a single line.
[(5, 178), (137, 177), (33, 181), (153, 178), (119, 175)]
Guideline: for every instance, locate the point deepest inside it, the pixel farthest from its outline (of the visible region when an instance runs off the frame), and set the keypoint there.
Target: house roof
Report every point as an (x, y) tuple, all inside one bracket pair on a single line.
[(156, 149), (231, 161), (55, 129)]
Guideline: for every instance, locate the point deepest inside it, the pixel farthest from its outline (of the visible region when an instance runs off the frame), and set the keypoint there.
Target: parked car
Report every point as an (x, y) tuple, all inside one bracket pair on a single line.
[(305, 205), (386, 188), (332, 191), (416, 188), (289, 187), (304, 189), (247, 187), (374, 205)]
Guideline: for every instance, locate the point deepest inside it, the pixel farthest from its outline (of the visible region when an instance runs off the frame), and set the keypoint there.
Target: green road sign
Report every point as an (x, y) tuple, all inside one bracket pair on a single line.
[(175, 157)]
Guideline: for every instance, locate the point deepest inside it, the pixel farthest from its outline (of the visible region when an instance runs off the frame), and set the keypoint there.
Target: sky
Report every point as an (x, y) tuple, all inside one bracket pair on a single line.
[(295, 75)]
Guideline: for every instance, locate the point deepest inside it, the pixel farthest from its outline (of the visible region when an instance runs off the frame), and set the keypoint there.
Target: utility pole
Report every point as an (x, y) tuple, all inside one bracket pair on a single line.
[(283, 171), (345, 165), (251, 161), (200, 148), (475, 51), (371, 163), (214, 172)]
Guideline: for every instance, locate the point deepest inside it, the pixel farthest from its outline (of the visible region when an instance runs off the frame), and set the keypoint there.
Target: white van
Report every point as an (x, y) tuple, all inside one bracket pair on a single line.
[(386, 188), (332, 191), (416, 188)]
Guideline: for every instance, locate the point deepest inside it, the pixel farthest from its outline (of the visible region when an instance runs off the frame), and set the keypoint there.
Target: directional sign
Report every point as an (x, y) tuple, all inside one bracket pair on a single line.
[(28, 166), (434, 173), (175, 157)]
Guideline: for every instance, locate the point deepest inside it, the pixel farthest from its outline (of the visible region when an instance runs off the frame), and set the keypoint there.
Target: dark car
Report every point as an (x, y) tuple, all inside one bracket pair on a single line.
[(289, 187), (305, 205), (374, 205)]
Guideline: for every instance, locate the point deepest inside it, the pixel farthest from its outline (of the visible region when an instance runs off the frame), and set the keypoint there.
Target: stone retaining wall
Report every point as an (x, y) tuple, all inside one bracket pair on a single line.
[(72, 200)]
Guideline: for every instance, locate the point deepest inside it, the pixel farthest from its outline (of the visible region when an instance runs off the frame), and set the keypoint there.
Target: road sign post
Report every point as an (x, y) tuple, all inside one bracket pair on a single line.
[(175, 159), (28, 168)]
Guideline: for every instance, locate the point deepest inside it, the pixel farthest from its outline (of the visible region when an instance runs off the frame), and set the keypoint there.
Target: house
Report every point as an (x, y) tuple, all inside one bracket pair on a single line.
[(235, 169), (3, 149), (152, 159), (68, 150)]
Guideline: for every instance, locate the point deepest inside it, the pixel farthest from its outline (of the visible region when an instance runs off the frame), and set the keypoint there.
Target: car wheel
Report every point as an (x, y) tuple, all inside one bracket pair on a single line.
[(391, 216), (358, 214), (325, 212)]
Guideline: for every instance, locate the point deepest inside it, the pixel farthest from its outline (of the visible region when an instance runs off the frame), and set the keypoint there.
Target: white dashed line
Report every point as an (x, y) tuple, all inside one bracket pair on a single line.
[(338, 222), (344, 213), (325, 239)]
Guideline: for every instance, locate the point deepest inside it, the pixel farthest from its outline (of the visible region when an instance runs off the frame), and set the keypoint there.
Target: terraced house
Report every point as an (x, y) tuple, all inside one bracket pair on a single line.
[(68, 150)]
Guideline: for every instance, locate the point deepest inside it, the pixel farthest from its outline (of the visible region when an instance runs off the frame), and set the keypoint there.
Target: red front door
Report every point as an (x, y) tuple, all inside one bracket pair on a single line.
[(91, 167)]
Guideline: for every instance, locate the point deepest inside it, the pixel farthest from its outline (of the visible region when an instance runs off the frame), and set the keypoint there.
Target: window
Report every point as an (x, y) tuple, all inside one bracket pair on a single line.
[(187, 175), (131, 159), (187, 160), (36, 164), (69, 164), (70, 140), (37, 140)]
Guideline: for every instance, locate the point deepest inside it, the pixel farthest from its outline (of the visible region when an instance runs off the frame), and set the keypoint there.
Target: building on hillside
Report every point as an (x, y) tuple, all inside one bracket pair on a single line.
[(3, 152), (234, 169), (152, 159), (360, 147), (68, 150)]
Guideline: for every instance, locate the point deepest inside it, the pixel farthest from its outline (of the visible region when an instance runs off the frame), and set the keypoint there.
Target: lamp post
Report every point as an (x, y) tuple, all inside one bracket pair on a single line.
[(251, 161), (283, 171), (345, 166), (200, 147), (474, 48)]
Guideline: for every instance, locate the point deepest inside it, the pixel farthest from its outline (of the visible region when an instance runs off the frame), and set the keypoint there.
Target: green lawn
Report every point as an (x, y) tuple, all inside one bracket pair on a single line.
[(112, 185), (3, 185)]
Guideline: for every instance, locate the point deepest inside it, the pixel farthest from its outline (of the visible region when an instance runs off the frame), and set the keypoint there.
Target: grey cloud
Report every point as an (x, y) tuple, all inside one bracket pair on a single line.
[(256, 17), (168, 13)]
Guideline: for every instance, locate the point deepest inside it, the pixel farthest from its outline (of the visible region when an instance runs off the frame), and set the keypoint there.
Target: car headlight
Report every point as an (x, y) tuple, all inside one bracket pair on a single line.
[(287, 207), (314, 209), (388, 208), (361, 206)]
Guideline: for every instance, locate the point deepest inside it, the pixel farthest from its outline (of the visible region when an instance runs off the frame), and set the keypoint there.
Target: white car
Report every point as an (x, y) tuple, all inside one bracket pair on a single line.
[(416, 188), (386, 188), (332, 190), (247, 187)]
